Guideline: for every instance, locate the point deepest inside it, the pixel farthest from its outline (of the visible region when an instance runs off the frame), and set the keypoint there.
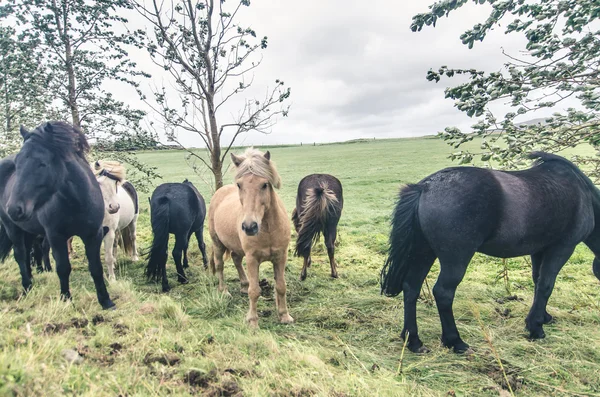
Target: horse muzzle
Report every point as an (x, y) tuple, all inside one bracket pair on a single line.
[(113, 209), (251, 229), (20, 212)]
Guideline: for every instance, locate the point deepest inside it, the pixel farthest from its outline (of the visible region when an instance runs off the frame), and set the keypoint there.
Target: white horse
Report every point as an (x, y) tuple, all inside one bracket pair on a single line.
[(121, 221)]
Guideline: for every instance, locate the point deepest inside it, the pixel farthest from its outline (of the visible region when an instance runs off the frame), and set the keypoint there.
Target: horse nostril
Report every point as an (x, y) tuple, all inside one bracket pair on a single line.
[(254, 227)]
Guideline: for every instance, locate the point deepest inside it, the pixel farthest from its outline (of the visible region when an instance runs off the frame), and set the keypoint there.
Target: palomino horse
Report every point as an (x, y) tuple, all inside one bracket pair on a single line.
[(121, 212), (319, 204), (176, 208), (544, 211), (49, 189), (249, 219)]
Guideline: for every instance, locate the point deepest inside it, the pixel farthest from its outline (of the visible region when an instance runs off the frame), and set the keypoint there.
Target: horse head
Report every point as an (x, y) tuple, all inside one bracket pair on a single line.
[(40, 166), (110, 174), (256, 177)]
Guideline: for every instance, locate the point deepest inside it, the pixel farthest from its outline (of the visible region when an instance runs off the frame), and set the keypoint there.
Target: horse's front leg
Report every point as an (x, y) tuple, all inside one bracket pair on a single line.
[(92, 251), (109, 241), (253, 290), (280, 289), (22, 257), (60, 253)]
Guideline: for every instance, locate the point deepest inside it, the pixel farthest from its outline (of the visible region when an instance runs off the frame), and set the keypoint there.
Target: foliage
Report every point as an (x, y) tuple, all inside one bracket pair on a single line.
[(23, 83), (560, 64), (204, 48), (82, 45)]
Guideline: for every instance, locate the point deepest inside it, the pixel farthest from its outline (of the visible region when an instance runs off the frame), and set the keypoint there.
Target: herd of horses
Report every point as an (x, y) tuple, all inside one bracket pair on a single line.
[(50, 193)]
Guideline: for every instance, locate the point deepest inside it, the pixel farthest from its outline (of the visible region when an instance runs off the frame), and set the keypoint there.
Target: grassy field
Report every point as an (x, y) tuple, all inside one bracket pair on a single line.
[(345, 341)]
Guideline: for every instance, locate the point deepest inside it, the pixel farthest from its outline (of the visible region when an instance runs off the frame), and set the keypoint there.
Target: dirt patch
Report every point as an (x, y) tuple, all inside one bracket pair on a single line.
[(146, 308), (227, 388), (97, 319), (52, 328), (504, 313), (79, 322), (494, 372), (302, 392), (200, 379), (266, 290), (169, 359), (244, 373), (120, 329), (115, 348), (508, 299)]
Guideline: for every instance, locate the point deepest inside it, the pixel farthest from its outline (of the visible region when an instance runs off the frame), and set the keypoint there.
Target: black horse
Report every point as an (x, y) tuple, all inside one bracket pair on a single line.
[(544, 211), (176, 208), (48, 189), (40, 254), (319, 204)]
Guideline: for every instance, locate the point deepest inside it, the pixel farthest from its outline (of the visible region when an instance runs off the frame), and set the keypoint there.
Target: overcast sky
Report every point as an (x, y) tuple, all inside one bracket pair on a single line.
[(357, 71)]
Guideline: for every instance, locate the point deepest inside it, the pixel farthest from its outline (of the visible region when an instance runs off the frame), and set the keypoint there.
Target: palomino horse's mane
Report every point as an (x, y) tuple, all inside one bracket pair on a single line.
[(114, 168), (254, 162), (60, 137)]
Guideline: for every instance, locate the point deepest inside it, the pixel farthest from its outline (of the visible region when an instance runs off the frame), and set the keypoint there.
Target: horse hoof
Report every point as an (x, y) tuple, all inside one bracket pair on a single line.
[(109, 305), (252, 323), (548, 319), (462, 348), (540, 334), (166, 288), (420, 350), (286, 319), (334, 275), (183, 281), (244, 290), (135, 258), (303, 276)]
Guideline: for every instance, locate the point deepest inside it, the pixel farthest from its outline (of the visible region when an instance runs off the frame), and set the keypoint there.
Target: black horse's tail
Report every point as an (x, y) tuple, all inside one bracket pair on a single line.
[(5, 244), (405, 237), (320, 205), (157, 256)]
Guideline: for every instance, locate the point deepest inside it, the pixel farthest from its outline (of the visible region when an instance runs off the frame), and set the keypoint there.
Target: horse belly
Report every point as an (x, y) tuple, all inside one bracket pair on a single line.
[(226, 224), (127, 209)]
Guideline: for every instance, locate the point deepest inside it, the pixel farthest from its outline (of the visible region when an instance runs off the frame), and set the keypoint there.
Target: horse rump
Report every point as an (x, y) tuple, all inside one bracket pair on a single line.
[(405, 238), (320, 206)]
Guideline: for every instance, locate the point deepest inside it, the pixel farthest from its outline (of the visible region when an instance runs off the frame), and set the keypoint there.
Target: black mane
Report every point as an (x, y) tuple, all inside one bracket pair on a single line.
[(60, 137)]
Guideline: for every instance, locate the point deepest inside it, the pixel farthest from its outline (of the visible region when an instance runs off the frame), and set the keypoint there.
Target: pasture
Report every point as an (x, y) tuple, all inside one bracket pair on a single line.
[(345, 341)]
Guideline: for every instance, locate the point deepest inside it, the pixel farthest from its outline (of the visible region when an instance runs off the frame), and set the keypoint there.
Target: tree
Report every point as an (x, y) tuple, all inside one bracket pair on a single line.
[(204, 48), (23, 81), (82, 49), (560, 65)]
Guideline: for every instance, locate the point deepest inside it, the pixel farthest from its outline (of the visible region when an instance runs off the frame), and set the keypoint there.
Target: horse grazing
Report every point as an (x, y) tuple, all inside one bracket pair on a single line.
[(319, 204), (544, 211), (121, 212), (249, 219), (176, 208), (49, 189)]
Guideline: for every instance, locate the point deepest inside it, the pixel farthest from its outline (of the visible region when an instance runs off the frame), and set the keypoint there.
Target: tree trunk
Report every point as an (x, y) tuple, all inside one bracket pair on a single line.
[(63, 29), (216, 164)]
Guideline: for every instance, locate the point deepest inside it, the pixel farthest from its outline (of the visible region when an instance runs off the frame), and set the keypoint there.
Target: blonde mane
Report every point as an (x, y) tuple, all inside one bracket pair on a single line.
[(254, 162), (113, 167)]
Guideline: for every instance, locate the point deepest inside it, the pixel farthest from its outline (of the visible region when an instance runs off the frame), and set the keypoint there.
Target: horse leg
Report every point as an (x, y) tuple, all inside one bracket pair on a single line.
[(63, 265), (200, 238), (92, 251), (37, 255), (306, 265), (553, 260), (22, 258), (109, 241), (132, 229), (180, 247), (218, 252), (329, 236), (536, 263), (237, 260), (411, 288), (46, 254), (253, 290), (280, 289), (452, 271), (186, 264)]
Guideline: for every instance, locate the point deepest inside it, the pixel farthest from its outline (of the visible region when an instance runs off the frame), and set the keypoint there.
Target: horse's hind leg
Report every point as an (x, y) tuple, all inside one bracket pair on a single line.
[(536, 263), (109, 258), (200, 237), (553, 260), (132, 229), (453, 266), (63, 265), (237, 260), (411, 288), (92, 251), (280, 289), (180, 246), (329, 235), (46, 254), (306, 265)]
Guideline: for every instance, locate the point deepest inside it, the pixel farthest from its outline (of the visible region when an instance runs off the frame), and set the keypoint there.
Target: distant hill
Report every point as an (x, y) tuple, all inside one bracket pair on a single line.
[(539, 120)]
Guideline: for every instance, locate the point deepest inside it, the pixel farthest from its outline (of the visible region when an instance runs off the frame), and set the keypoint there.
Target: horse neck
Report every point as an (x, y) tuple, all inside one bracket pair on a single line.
[(274, 213)]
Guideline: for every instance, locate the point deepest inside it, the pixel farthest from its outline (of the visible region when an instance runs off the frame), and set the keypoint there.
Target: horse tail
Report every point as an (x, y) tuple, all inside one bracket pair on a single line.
[(127, 238), (157, 256), (319, 206), (405, 238), (5, 244)]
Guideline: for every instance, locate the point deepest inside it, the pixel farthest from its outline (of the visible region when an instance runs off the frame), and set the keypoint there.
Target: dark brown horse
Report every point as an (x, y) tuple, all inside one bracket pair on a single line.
[(319, 204)]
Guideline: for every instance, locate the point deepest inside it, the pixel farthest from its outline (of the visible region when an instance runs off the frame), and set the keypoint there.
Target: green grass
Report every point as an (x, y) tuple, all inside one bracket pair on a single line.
[(345, 341)]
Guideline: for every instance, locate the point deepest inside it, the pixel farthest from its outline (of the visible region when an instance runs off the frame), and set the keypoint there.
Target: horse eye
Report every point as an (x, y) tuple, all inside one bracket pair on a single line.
[(238, 185), (265, 186)]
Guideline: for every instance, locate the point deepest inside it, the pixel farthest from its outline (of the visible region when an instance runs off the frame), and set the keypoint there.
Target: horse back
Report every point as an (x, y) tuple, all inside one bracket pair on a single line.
[(183, 205), (128, 187)]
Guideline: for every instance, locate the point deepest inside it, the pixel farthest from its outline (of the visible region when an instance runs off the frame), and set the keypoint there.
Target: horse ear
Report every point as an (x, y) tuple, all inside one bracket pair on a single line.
[(268, 155), (24, 133), (237, 160)]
